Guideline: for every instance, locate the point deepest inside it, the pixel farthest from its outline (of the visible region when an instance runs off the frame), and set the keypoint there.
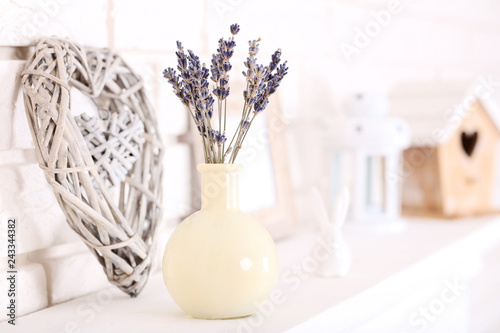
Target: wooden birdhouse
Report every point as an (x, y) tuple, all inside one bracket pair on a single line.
[(450, 167)]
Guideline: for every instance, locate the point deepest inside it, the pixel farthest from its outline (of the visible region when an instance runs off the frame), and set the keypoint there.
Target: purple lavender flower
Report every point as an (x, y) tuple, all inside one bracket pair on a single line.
[(246, 125), (249, 96), (261, 104), (191, 85), (220, 65), (282, 70), (222, 139), (196, 76), (218, 138), (261, 82), (214, 67), (235, 28), (254, 46), (176, 83), (275, 60), (250, 63)]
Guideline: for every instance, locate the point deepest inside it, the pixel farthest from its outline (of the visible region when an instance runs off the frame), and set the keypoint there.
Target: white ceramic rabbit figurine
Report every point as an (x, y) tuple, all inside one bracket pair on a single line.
[(338, 259)]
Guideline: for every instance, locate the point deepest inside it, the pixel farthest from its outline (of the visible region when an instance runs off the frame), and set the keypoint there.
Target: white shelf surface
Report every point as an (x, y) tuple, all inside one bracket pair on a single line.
[(387, 269)]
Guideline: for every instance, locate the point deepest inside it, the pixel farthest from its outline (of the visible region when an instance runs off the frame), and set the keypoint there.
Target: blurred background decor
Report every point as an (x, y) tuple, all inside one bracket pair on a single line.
[(337, 261), (105, 170), (450, 169), (365, 150)]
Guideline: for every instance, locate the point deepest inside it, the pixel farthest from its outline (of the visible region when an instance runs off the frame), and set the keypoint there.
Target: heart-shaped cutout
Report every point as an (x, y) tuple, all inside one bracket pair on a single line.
[(469, 141), (117, 227)]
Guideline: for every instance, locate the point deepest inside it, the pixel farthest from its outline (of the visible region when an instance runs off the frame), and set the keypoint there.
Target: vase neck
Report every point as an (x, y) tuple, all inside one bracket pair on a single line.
[(219, 186)]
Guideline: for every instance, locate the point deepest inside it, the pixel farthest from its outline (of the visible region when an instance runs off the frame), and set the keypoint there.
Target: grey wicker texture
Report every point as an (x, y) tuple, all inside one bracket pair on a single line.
[(115, 143), (108, 184)]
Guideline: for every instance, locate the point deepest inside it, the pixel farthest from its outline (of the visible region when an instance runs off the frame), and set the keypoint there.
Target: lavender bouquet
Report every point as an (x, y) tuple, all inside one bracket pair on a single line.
[(192, 87)]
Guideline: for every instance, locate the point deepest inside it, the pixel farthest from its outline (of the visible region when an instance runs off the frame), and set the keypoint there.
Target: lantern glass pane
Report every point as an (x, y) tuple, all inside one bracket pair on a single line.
[(341, 174), (375, 190)]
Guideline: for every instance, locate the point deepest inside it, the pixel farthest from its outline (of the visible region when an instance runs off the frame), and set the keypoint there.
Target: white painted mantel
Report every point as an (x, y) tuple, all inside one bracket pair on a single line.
[(431, 265)]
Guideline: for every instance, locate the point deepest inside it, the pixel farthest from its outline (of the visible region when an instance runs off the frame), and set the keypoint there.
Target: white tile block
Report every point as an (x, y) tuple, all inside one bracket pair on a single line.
[(177, 189), (10, 102), (30, 289), (17, 157), (23, 22), (25, 195), (445, 11), (448, 10), (485, 51), (21, 134), (72, 271), (156, 25), (490, 10), (358, 31), (173, 116), (423, 34), (408, 41)]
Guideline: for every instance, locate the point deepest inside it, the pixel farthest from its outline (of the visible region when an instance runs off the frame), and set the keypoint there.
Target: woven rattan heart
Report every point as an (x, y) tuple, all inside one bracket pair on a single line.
[(118, 228)]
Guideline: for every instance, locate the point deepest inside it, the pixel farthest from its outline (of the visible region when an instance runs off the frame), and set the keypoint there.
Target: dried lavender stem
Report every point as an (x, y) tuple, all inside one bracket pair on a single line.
[(239, 125), (191, 113), (244, 136), (220, 114), (238, 129), (208, 128), (224, 143)]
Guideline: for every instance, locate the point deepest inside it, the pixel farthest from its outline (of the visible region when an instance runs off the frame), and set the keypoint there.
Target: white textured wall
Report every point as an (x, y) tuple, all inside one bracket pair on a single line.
[(422, 40)]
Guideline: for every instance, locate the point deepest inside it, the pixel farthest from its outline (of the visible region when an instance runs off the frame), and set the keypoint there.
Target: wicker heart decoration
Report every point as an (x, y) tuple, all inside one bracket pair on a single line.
[(84, 159), (115, 148)]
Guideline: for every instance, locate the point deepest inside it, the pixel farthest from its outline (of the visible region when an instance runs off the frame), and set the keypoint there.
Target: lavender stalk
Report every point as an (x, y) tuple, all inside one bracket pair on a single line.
[(192, 87)]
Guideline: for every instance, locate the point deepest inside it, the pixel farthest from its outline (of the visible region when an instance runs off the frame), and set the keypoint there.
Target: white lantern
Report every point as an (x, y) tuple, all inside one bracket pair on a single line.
[(366, 153)]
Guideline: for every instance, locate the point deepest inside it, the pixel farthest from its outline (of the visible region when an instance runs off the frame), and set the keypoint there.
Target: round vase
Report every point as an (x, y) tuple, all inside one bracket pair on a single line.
[(220, 263)]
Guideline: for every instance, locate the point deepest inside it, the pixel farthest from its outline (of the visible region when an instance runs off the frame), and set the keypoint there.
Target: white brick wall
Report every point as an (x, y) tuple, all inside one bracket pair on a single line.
[(31, 288), (272, 21), (86, 273), (23, 22), (426, 40), (26, 196), (149, 25), (12, 122)]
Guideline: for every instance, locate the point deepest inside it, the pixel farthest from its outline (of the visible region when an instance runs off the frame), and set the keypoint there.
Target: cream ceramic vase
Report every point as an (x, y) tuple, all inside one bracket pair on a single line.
[(220, 263)]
